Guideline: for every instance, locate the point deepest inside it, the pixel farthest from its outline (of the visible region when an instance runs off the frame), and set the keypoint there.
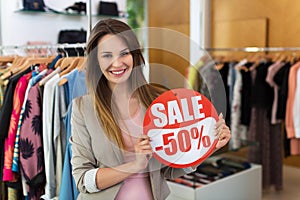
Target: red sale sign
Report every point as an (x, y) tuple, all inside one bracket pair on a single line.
[(181, 125)]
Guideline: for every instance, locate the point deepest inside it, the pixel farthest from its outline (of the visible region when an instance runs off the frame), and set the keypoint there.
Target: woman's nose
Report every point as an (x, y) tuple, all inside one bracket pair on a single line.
[(117, 62)]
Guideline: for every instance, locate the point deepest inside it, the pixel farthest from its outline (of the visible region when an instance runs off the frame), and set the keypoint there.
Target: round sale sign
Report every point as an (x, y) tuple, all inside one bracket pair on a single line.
[(181, 126)]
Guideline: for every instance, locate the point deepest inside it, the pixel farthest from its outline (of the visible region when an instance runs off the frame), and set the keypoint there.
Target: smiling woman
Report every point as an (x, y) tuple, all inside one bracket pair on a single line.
[(115, 59), (111, 157)]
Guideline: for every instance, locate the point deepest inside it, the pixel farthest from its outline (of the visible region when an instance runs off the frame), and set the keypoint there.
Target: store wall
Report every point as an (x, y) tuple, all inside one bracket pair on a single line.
[(169, 41), (18, 28), (283, 18), (0, 23)]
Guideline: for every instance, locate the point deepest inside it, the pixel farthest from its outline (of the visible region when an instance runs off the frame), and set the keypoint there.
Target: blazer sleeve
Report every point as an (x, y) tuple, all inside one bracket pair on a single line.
[(83, 158), (172, 173)]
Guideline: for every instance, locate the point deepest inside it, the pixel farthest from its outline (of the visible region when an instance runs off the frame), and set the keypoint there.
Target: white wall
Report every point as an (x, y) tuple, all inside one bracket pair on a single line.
[(18, 28), (0, 24), (199, 28)]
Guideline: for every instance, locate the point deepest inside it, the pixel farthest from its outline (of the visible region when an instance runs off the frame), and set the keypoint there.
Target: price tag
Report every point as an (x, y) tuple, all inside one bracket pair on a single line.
[(181, 125)]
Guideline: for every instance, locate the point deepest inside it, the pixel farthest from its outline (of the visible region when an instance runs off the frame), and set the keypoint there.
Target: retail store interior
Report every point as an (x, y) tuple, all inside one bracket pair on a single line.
[(254, 46)]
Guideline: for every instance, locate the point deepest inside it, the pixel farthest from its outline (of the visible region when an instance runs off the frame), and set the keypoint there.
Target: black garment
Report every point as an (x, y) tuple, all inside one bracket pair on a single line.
[(224, 74), (5, 114), (246, 95), (286, 143), (7, 105), (263, 93), (281, 79)]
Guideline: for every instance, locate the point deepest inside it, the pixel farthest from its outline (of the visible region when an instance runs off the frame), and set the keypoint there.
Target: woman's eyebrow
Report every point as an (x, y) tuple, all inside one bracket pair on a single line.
[(111, 52), (125, 49), (106, 52)]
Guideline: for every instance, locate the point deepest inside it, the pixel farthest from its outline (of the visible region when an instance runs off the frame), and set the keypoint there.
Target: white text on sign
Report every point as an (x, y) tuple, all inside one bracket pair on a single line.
[(180, 145), (174, 113)]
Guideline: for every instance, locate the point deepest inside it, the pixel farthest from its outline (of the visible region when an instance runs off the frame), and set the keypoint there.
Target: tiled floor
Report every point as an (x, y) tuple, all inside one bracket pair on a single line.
[(291, 186)]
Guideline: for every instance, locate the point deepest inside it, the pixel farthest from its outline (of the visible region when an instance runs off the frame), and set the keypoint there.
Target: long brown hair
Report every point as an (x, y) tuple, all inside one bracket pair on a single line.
[(97, 84)]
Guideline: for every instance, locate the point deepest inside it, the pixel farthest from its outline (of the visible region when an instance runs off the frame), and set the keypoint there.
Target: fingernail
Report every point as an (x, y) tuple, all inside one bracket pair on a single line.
[(216, 132), (221, 115)]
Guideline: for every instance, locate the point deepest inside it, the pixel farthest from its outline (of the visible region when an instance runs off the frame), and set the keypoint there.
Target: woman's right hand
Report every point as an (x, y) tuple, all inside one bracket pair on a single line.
[(143, 152)]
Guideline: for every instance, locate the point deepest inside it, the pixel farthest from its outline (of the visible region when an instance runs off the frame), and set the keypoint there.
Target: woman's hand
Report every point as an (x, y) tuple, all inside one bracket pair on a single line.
[(143, 152), (222, 132)]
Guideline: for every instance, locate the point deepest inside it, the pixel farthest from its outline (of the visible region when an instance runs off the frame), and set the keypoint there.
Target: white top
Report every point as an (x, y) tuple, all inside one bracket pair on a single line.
[(296, 107), (48, 111)]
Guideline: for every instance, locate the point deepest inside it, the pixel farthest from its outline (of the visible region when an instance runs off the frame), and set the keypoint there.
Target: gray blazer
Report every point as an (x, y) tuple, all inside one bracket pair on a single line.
[(92, 149)]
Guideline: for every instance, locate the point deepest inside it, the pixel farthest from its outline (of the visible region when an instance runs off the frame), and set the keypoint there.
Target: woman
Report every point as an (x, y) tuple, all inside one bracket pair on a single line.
[(112, 159)]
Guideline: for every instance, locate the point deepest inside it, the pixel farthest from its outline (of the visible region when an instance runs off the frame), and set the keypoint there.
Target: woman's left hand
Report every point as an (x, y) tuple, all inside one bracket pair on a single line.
[(222, 132)]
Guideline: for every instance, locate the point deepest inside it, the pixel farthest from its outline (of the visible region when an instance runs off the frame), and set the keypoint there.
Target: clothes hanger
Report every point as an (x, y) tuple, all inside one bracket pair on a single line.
[(72, 66), (66, 62), (78, 62), (7, 59), (58, 63), (64, 55), (32, 61), (293, 58), (15, 64), (81, 64), (18, 60)]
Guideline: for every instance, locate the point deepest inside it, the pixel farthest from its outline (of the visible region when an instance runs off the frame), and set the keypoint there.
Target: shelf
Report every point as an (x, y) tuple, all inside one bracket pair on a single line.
[(67, 14), (244, 185)]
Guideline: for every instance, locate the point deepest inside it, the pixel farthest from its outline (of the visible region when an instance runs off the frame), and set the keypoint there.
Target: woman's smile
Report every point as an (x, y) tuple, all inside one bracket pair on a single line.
[(118, 72)]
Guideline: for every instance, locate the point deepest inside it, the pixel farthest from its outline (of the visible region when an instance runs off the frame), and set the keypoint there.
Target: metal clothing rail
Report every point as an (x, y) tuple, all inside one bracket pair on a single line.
[(13, 49), (255, 49), (47, 46)]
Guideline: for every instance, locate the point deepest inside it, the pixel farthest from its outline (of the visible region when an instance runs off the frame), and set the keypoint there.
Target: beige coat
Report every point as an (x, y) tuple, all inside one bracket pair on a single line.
[(91, 149)]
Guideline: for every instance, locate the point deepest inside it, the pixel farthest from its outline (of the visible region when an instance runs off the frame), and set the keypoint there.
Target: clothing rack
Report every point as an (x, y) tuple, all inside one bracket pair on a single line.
[(50, 46), (255, 49), (53, 46)]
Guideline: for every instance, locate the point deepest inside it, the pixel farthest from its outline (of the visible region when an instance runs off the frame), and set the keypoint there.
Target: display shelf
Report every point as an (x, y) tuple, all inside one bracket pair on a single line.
[(124, 15), (244, 185)]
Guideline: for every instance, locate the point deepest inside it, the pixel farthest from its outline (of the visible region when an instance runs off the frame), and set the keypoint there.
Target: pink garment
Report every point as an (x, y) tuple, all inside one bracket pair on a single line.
[(136, 186), (19, 95), (289, 121), (272, 70)]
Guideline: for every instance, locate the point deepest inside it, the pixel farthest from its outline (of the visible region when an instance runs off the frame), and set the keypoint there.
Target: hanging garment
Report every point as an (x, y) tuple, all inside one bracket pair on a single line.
[(246, 95), (59, 133), (18, 99), (281, 79), (272, 70), (31, 146), (267, 147), (49, 152), (32, 82), (289, 121), (7, 105), (2, 87), (238, 131), (296, 108), (192, 75), (224, 71), (74, 87), (6, 110)]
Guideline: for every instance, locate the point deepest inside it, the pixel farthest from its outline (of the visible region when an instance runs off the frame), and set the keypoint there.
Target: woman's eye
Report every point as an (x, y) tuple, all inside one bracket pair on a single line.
[(106, 56), (124, 53)]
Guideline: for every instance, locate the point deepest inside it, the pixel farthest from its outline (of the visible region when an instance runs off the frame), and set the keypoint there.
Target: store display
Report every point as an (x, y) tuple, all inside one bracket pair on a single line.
[(37, 5), (78, 7), (72, 37), (213, 169), (108, 8)]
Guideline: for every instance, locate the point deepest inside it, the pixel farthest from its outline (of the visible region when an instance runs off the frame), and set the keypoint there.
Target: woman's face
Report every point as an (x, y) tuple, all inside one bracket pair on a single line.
[(115, 59)]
